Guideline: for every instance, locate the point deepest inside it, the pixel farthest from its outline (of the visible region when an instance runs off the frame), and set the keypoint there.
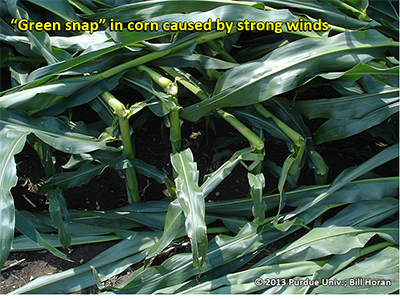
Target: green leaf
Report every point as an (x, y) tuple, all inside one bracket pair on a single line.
[(180, 267), (150, 171), (324, 241), (171, 228), (23, 243), (113, 260), (212, 180), (243, 282), (60, 8), (191, 200), (27, 229), (38, 97), (354, 106), (351, 174), (335, 129), (66, 180), (382, 267), (11, 143), (52, 131), (257, 184), (274, 74), (282, 195), (387, 75), (365, 213), (47, 72), (59, 214), (40, 42)]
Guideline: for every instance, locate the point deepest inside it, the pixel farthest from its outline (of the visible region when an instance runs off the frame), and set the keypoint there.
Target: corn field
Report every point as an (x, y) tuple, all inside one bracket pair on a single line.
[(253, 105)]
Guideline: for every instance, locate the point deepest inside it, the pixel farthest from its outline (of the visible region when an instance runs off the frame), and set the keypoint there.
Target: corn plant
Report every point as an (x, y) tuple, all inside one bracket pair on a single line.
[(267, 87)]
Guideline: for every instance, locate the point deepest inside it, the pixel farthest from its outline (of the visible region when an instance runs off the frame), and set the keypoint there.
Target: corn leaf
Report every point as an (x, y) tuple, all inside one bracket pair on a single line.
[(171, 228), (52, 131), (40, 42), (354, 106), (27, 229), (23, 243), (382, 267), (179, 268), (11, 142), (335, 129), (191, 199), (365, 213), (323, 241), (113, 260), (59, 8), (274, 74), (387, 75), (212, 180), (47, 72), (257, 184), (351, 174), (60, 216)]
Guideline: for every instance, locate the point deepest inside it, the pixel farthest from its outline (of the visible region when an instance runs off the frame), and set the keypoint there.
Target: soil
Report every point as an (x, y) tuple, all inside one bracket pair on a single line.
[(107, 191)]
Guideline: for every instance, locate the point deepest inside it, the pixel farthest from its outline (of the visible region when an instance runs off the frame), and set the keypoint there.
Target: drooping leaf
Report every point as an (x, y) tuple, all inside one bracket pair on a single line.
[(387, 75), (52, 131), (65, 180), (115, 259), (191, 199), (60, 8), (257, 184), (40, 42), (171, 228), (212, 180), (11, 143), (59, 214), (27, 229)]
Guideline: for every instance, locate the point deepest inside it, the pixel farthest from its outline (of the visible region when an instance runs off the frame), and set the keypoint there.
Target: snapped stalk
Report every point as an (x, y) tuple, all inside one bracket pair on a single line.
[(298, 140), (254, 140), (175, 132), (122, 114), (171, 89), (156, 77), (292, 134)]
